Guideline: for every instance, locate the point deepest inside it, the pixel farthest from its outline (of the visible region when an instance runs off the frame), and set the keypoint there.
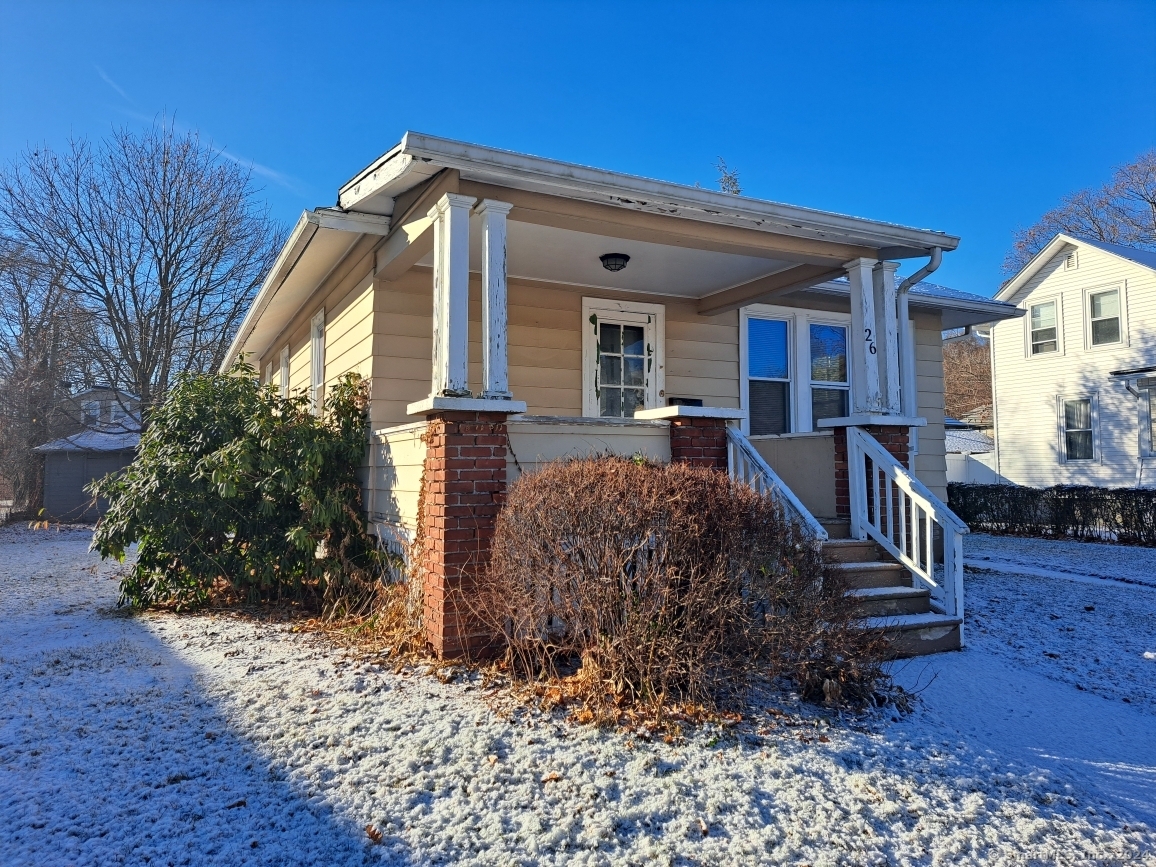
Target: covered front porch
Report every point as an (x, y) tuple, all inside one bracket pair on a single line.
[(785, 355)]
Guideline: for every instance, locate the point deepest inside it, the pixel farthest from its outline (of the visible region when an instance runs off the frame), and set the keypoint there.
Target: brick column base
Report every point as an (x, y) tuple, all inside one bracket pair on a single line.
[(894, 439), (464, 489), (701, 442)]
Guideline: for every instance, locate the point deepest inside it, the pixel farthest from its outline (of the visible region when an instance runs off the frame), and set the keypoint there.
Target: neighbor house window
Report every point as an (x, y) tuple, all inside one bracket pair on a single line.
[(91, 409), (769, 375), (1044, 328), (829, 386), (1078, 429), (1105, 310)]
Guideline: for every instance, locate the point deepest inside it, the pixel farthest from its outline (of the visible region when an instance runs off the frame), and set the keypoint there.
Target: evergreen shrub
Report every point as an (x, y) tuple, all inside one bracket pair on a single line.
[(237, 491)]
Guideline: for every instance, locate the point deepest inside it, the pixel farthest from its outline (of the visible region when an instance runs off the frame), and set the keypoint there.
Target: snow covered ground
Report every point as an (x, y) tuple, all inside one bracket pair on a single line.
[(211, 739)]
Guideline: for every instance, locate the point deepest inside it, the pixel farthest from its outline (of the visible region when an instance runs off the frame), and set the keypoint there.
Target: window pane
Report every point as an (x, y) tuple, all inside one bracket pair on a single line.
[(1044, 346), (632, 340), (767, 348), (1078, 415), (1044, 315), (769, 407), (610, 338), (1079, 444), (828, 353), (1106, 331), (633, 371), (611, 370), (632, 399), (1105, 304), (611, 402), (828, 403)]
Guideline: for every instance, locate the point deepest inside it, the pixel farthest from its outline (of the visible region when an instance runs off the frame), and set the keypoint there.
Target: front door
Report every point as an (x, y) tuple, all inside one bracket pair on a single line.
[(622, 358)]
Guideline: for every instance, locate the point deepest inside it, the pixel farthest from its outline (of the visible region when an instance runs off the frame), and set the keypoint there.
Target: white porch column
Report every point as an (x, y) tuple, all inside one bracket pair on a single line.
[(890, 342), (866, 394), (451, 216), (495, 361)]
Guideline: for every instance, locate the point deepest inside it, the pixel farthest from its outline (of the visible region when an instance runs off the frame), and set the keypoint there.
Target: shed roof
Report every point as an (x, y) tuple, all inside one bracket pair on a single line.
[(117, 440)]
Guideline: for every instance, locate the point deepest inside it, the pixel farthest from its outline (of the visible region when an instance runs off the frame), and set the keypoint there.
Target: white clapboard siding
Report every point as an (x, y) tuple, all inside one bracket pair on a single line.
[(1028, 389)]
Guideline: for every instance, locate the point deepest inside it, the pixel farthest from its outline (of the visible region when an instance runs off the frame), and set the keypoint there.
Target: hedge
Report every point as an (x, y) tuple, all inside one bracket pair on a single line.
[(1126, 515)]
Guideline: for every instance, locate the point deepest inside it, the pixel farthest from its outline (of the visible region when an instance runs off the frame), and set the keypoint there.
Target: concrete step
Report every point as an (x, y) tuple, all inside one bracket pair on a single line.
[(872, 574), (918, 634), (837, 529), (891, 601), (852, 551)]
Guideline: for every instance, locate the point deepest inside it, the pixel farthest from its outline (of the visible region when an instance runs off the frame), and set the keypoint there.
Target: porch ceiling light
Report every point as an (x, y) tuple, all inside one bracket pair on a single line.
[(614, 261)]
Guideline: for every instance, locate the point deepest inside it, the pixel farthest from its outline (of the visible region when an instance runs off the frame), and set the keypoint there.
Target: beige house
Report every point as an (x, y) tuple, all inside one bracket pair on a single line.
[(1074, 379), (573, 309)]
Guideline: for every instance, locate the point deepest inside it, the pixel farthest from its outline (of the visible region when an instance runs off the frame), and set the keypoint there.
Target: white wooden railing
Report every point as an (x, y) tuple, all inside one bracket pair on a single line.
[(747, 465), (898, 511)]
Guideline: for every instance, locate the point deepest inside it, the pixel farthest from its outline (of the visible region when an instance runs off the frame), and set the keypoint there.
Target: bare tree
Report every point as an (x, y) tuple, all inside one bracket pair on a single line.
[(728, 178), (966, 376), (39, 357), (1122, 211), (159, 240)]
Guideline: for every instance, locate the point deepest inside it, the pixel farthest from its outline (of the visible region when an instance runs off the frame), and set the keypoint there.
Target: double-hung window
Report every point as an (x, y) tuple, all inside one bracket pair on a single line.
[(829, 385), (1078, 440), (1044, 327), (769, 375), (1105, 316)]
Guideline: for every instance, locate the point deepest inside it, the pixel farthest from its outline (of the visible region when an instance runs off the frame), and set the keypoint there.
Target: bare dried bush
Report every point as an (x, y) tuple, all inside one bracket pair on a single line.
[(667, 585)]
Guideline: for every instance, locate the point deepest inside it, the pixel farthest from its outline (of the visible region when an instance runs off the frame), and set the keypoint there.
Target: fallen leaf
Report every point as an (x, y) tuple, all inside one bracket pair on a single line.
[(235, 804), (493, 760), (703, 826), (552, 777), (823, 739), (373, 834)]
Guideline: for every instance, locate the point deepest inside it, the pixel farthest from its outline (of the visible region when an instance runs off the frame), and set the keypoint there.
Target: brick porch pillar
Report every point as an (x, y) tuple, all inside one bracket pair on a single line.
[(894, 439), (464, 489), (698, 434)]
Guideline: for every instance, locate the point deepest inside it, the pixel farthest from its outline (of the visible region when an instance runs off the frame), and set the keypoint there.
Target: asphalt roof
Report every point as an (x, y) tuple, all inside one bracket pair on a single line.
[(94, 441)]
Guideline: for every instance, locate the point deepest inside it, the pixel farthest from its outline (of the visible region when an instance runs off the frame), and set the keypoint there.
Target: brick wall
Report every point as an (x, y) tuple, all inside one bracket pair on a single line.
[(465, 487), (699, 441), (894, 439)]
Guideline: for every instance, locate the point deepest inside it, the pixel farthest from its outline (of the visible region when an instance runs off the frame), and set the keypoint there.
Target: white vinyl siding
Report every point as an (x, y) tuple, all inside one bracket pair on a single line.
[(1028, 388)]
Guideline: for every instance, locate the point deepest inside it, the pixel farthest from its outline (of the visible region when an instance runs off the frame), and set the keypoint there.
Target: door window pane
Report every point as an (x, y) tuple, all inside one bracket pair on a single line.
[(621, 369), (828, 403), (1078, 429), (1043, 318), (767, 349), (1152, 419), (828, 353), (770, 407), (1105, 317)]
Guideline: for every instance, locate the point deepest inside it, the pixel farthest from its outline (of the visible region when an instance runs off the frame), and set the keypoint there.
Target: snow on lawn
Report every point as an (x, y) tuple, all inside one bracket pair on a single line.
[(211, 739)]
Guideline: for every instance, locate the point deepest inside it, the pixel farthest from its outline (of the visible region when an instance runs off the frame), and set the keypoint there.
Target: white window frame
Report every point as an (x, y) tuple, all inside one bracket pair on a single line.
[(1147, 421), (652, 317), (284, 383), (799, 323), (1093, 398), (269, 373), (1058, 300), (317, 361), (1086, 316)]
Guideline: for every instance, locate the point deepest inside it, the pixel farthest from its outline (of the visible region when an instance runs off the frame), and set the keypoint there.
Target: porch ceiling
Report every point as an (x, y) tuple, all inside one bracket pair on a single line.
[(566, 256)]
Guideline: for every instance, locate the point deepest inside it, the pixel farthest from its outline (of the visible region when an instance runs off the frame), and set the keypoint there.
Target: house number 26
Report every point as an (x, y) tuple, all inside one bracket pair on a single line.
[(870, 341)]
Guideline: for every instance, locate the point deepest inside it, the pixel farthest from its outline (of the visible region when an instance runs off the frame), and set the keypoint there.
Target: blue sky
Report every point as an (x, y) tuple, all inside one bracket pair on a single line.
[(973, 118)]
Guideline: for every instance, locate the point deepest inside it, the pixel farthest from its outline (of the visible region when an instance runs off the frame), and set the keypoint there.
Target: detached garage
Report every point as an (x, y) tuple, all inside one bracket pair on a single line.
[(70, 463)]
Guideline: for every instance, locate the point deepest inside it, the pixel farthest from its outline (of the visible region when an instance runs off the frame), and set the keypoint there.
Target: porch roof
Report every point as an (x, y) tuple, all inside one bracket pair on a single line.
[(418, 157)]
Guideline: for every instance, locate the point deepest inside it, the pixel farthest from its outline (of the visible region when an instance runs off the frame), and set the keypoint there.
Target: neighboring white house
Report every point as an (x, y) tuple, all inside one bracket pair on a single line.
[(1074, 379)]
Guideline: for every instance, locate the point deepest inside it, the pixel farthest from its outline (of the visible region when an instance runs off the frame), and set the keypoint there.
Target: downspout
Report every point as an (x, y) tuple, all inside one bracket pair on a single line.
[(910, 394)]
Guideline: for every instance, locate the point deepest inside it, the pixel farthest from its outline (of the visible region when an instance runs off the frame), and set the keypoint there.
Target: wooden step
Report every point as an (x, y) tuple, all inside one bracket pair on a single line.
[(852, 551), (890, 601), (918, 634), (872, 574)]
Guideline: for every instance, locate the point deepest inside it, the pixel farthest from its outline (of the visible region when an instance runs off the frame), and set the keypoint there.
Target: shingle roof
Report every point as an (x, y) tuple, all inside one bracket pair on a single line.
[(967, 441), (94, 441)]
